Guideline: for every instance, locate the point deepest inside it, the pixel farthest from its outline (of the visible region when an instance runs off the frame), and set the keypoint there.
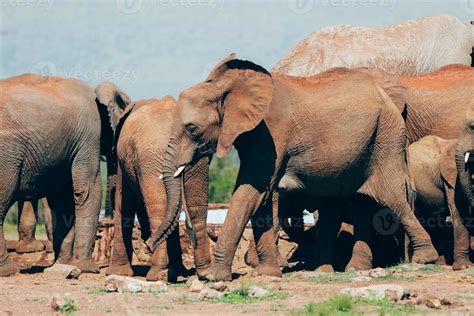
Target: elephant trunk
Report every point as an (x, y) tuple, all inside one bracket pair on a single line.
[(464, 171), (173, 188)]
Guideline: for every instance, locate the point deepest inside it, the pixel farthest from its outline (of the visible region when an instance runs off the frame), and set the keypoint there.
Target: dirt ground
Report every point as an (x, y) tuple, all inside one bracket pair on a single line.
[(30, 292)]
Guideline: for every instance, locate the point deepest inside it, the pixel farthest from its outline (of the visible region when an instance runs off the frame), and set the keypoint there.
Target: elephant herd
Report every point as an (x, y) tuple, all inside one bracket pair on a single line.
[(353, 120)]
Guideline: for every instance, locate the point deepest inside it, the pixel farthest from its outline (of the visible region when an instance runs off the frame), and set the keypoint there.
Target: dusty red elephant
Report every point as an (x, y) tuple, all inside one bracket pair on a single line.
[(142, 137), (287, 131)]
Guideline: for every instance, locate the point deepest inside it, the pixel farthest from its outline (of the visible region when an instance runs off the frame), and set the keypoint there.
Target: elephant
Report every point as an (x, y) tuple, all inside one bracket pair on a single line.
[(142, 137), (433, 103), (439, 193), (430, 104), (52, 131), (27, 219), (287, 131), (409, 48)]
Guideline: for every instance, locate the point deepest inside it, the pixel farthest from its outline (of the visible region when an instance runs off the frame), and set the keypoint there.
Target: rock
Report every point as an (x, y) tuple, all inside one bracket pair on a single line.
[(377, 273), (56, 301), (388, 291), (433, 303), (65, 270), (256, 291), (196, 286), (209, 294), (219, 286), (121, 284)]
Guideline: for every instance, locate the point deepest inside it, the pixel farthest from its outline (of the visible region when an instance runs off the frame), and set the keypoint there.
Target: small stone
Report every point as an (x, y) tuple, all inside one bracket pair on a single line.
[(389, 291), (209, 294), (433, 303), (196, 286), (121, 284), (377, 273), (64, 270), (255, 291), (219, 286), (55, 302), (274, 286)]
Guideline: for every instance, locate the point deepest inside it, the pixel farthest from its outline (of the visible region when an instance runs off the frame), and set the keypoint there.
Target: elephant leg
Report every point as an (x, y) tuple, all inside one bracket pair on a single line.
[(265, 229), (166, 259), (124, 218), (361, 252), (63, 218), (245, 200), (48, 222), (7, 266), (87, 198), (196, 185), (461, 234), (27, 219), (329, 223)]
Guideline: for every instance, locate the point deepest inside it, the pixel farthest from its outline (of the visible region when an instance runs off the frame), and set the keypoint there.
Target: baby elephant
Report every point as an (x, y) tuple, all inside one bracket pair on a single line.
[(440, 192), (141, 140)]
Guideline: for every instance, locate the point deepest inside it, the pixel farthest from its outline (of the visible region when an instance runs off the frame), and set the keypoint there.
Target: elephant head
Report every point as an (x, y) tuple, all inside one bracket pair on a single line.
[(111, 102), (211, 115), (465, 156)]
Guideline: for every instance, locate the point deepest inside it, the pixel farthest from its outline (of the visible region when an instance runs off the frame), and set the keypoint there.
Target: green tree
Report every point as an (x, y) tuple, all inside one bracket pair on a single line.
[(222, 176)]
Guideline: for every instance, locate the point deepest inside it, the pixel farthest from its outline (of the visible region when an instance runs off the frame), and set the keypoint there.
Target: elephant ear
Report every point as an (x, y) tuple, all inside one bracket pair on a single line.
[(218, 69), (246, 96), (391, 84), (114, 100), (448, 165)]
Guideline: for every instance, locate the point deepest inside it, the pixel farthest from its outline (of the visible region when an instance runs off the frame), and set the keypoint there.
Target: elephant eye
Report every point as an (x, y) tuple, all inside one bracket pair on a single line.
[(192, 130)]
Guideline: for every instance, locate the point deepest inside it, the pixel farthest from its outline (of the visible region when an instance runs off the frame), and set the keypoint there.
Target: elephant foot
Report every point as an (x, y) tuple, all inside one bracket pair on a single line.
[(461, 264), (359, 263), (159, 274), (269, 270), (425, 254), (8, 268), (120, 269), (86, 266), (325, 268), (30, 246), (282, 262), (203, 270), (250, 257), (219, 274), (49, 247)]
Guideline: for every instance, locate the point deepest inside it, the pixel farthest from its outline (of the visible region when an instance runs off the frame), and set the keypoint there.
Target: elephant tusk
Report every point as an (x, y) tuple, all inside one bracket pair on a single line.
[(178, 172), (160, 177), (466, 157)]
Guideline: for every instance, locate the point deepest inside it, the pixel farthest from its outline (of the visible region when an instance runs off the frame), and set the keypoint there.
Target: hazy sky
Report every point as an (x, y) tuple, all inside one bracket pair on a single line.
[(152, 48)]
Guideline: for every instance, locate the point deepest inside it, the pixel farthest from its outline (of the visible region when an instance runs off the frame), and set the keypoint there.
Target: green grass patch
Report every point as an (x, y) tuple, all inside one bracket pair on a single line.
[(97, 291), (346, 305), (69, 307), (337, 277)]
